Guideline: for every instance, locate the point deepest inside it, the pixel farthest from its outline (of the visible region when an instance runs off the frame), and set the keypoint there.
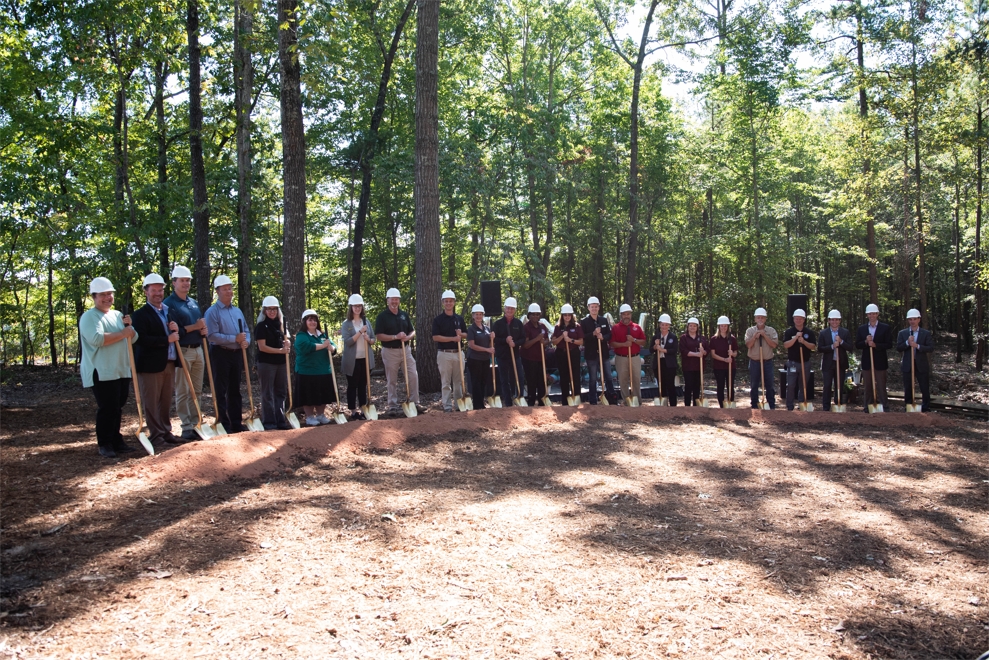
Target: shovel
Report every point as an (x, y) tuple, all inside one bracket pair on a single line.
[(912, 407), (838, 407), (494, 400), (463, 403), (875, 406), (253, 423), (806, 406), (660, 400), (730, 385), (212, 390), (702, 401), (203, 430), (293, 421), (631, 400), (408, 407), (603, 398), (763, 404), (142, 435), (369, 410), (571, 399), (546, 400), (519, 400), (338, 415)]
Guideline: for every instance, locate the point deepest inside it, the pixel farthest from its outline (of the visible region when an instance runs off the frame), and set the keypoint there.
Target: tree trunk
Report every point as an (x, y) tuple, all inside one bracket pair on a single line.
[(51, 306), (243, 92), (958, 272), (161, 140), (200, 201), (366, 164), (980, 293), (427, 191), (870, 225), (922, 259), (294, 163)]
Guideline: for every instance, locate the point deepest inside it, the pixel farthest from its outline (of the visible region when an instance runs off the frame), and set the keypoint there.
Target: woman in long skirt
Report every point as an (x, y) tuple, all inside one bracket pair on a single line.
[(312, 369)]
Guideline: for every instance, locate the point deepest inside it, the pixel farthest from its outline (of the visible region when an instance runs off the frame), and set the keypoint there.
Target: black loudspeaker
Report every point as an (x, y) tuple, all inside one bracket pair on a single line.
[(795, 301), (491, 297)]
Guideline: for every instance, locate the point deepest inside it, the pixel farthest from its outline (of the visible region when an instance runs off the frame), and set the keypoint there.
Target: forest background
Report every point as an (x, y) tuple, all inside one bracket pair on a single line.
[(695, 157)]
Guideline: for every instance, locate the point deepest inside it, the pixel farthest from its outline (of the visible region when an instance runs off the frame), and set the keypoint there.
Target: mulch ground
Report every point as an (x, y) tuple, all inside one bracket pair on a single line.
[(586, 532)]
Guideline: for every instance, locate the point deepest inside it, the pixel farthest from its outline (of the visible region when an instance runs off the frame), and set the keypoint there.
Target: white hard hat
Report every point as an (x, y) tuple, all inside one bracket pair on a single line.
[(152, 278), (477, 308), (355, 299), (534, 309), (181, 271), (393, 293), (723, 320), (834, 314), (566, 309), (800, 312), (760, 311), (100, 285), (446, 294), (309, 312), (270, 301), (693, 319), (872, 309), (593, 300), (221, 280), (913, 314), (511, 302), (624, 308), (665, 318)]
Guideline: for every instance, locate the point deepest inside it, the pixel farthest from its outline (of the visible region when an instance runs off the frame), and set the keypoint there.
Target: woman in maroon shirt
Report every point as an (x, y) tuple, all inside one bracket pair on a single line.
[(693, 348), (724, 348), (569, 333)]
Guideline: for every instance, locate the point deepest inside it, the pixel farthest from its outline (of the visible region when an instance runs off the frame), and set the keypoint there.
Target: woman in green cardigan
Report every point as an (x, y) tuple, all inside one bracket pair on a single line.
[(312, 369)]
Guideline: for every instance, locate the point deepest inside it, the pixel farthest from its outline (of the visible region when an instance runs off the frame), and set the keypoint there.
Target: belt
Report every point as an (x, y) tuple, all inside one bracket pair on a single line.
[(448, 350), (224, 348), (190, 345)]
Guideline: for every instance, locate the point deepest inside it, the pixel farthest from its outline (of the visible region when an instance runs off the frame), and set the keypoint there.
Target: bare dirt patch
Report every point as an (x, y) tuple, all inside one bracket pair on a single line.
[(574, 533)]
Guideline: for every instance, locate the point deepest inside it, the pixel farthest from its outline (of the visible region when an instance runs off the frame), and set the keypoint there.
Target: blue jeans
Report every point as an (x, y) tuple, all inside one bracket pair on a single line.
[(756, 384), (506, 376), (593, 367)]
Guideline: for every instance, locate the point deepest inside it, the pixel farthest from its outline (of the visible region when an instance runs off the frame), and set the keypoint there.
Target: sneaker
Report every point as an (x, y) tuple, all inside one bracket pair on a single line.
[(312, 421), (323, 419)]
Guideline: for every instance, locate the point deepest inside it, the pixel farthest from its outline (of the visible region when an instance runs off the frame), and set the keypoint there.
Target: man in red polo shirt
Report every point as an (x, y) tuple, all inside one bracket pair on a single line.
[(627, 339)]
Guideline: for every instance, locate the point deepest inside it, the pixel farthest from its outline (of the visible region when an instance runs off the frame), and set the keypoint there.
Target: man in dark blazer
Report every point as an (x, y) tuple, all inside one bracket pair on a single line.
[(874, 338), (920, 341), (155, 354), (833, 344), (666, 346)]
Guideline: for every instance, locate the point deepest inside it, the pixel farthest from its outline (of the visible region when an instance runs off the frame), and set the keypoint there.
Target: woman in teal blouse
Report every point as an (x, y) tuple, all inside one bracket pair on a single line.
[(312, 369)]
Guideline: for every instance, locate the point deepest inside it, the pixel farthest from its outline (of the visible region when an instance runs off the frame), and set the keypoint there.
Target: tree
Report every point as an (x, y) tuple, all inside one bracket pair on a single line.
[(200, 199)]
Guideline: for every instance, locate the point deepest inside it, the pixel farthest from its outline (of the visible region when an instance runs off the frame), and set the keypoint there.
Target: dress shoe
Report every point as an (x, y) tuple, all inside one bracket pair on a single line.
[(172, 440), (107, 452), (124, 449), (284, 427), (190, 435)]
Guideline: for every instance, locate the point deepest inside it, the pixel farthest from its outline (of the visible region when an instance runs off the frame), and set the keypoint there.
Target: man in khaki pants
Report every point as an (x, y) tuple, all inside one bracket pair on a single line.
[(393, 328), (448, 328), (192, 329)]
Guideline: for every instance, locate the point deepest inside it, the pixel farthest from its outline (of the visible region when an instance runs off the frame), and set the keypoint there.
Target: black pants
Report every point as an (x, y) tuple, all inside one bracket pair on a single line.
[(721, 375), (691, 387), (357, 385), (535, 384), (569, 372), (111, 396), (480, 376), (829, 386), (923, 389), (227, 367), (669, 378)]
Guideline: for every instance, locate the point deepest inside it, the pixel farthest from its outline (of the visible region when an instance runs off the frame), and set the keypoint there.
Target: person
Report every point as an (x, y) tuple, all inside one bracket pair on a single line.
[(394, 330), (693, 348), (724, 348), (833, 344), (105, 366), (192, 329), (273, 345), (874, 338), (921, 342), (597, 339), (666, 346), (761, 340), (628, 338), (225, 325), (155, 355), (448, 330), (509, 337), (358, 338), (533, 351), (480, 349), (314, 384), (568, 333), (800, 343)]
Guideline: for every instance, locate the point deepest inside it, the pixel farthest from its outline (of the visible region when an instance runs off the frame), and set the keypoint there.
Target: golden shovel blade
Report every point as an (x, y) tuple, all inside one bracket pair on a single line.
[(914, 408), (339, 417), (409, 409), (764, 405), (204, 432), (254, 424), (520, 402), (632, 401), (806, 407), (142, 437), (220, 430), (370, 411), (573, 400), (661, 401), (548, 402), (293, 421), (730, 405), (838, 408), (875, 408)]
